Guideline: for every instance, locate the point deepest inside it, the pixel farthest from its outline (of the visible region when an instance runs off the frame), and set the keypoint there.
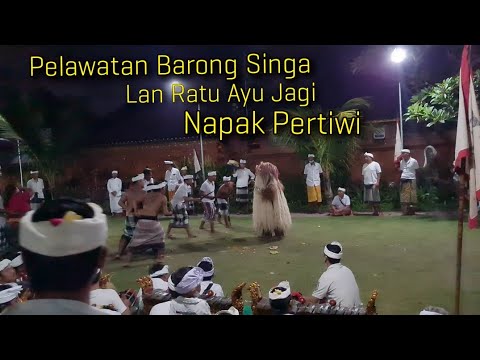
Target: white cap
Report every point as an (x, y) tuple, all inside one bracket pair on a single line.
[(184, 168), (4, 264), (311, 155), (331, 254), (151, 187), (33, 172), (138, 177), (9, 294), (406, 151), (243, 161), (341, 189), (114, 172), (188, 177), (212, 173), (227, 178), (168, 162), (163, 271), (278, 294), (368, 154), (70, 235), (18, 261)]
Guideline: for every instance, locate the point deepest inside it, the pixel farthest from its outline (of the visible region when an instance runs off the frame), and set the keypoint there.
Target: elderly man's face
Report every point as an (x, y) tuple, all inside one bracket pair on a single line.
[(405, 156), (114, 175), (368, 159), (340, 193), (8, 275), (311, 159)]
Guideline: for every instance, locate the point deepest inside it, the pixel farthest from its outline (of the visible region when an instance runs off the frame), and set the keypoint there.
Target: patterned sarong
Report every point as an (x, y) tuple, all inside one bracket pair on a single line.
[(408, 192), (180, 216), (130, 223), (208, 211), (223, 207), (242, 194), (148, 234), (371, 194)]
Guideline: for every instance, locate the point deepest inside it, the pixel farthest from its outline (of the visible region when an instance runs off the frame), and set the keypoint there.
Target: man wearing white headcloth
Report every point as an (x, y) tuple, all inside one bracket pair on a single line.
[(207, 194), (433, 310), (190, 205), (279, 298), (8, 274), (9, 296), (179, 208), (184, 285), (107, 300), (223, 195), (206, 264), (312, 173), (63, 245), (147, 178), (36, 186), (408, 183), (337, 282), (173, 178), (19, 267), (159, 274), (371, 172), (244, 178), (341, 205), (114, 187)]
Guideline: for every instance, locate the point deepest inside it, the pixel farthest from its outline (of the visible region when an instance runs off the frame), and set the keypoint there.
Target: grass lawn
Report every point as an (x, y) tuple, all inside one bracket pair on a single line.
[(410, 261)]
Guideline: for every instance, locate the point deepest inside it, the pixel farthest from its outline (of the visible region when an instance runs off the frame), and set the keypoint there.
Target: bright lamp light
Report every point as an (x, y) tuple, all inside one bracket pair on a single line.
[(398, 55)]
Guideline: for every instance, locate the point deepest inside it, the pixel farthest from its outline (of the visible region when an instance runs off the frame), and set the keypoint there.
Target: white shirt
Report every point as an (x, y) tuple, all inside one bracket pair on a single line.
[(36, 187), (338, 283), (147, 182), (157, 284), (370, 173), (180, 194), (338, 204), (408, 169), (216, 288), (208, 189), (114, 184), (243, 177), (187, 306), (105, 297), (313, 172), (161, 309), (173, 178)]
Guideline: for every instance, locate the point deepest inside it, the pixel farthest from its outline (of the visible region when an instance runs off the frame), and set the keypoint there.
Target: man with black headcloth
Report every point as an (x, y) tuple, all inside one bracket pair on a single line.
[(63, 246), (337, 282), (206, 264)]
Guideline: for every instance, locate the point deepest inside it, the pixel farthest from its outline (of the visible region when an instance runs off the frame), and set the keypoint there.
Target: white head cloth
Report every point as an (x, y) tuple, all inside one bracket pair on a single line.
[(242, 161), (184, 168), (188, 177), (33, 172), (341, 189), (18, 261), (227, 178), (163, 271), (368, 154), (277, 294), (151, 187), (426, 312), (4, 264), (311, 155), (65, 237), (8, 295), (406, 151), (230, 311), (168, 162), (190, 281), (212, 173), (212, 271), (331, 254), (114, 172), (138, 177)]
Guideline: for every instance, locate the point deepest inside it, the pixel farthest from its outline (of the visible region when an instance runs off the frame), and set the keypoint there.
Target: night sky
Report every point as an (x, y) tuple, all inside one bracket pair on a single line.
[(334, 79)]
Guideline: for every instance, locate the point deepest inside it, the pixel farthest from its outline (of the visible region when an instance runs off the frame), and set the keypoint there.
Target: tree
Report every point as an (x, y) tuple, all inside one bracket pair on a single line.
[(438, 103), (335, 153)]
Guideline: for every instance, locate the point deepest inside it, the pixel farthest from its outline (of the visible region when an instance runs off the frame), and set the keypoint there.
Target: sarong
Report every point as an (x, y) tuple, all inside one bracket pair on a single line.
[(314, 194), (371, 194), (408, 192), (242, 194), (148, 234), (208, 211), (130, 223), (180, 216), (223, 207), (114, 207)]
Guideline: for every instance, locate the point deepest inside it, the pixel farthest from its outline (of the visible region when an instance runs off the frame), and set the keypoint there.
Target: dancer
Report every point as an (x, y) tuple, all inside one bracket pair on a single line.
[(207, 193), (179, 208), (223, 195), (271, 214)]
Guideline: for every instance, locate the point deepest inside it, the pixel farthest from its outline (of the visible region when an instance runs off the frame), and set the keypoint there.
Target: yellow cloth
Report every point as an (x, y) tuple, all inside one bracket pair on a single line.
[(314, 194)]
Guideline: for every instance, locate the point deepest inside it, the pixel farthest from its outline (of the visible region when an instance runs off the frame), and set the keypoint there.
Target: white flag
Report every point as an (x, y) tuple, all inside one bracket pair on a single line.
[(398, 144), (467, 145), (196, 164)]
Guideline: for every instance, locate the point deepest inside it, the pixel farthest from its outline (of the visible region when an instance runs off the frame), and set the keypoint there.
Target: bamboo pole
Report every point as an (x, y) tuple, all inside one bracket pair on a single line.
[(461, 207)]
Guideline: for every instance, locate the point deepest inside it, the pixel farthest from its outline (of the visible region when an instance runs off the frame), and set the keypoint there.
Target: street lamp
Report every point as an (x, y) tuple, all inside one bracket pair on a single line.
[(397, 57), (19, 153)]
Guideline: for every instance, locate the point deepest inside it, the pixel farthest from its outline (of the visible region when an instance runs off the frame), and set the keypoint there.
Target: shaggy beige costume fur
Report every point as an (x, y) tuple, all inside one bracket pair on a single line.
[(270, 209)]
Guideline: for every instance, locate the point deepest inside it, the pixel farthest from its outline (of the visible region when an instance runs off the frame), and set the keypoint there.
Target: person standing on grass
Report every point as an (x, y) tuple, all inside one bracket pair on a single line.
[(114, 187), (244, 178), (36, 186), (179, 208), (223, 196), (408, 183), (147, 178), (207, 193), (371, 173), (173, 178), (341, 205), (312, 173), (337, 282)]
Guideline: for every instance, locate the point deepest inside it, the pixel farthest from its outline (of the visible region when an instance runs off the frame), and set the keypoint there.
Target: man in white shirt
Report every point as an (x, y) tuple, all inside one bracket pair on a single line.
[(159, 274), (341, 205), (179, 208), (371, 172), (337, 282), (206, 264), (35, 184), (244, 178), (184, 285), (148, 178), (408, 183), (207, 193), (173, 179), (114, 187), (107, 299), (312, 173)]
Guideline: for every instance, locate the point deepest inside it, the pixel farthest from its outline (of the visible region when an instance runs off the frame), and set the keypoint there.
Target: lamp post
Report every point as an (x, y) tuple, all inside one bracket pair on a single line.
[(398, 56)]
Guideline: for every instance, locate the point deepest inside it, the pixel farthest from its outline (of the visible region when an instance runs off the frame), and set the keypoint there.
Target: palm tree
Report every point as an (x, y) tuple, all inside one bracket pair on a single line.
[(335, 153)]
